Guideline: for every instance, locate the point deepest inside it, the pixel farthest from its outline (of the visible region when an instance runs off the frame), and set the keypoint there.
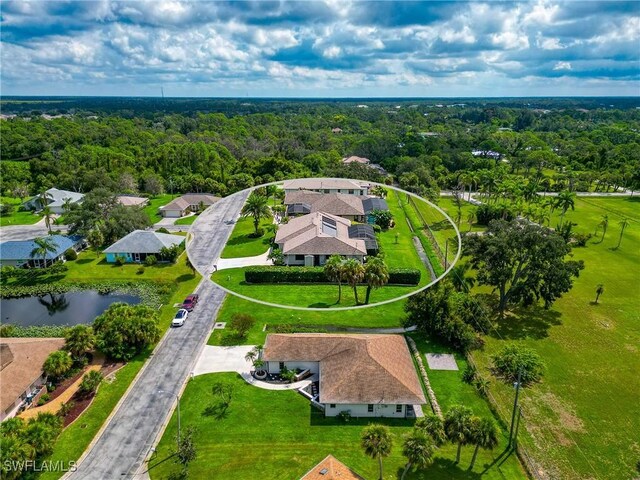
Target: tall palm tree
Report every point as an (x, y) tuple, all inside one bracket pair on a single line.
[(565, 201), (257, 207), (47, 213), (44, 245), (457, 426), (376, 275), (484, 434), (471, 217), (604, 224), (461, 281), (43, 199), (377, 442), (599, 291), (418, 447), (434, 427), (623, 224), (353, 275), (96, 240), (334, 271), (272, 191)]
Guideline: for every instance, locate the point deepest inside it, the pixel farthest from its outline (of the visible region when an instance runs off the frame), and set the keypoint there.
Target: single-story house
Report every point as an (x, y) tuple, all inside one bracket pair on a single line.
[(56, 200), (365, 375), (336, 130), (184, 205), (355, 159), (21, 374), (136, 246), (331, 469), (327, 185), (17, 253), (132, 201), (351, 207), (311, 239)]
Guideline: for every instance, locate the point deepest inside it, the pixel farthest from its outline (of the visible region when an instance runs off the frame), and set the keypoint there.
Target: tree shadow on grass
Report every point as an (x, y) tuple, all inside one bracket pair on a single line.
[(184, 277), (154, 461), (444, 468), (83, 261), (230, 339), (219, 411), (526, 322)]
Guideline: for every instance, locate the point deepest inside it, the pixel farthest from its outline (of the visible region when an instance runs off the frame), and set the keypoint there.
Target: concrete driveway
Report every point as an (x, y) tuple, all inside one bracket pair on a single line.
[(225, 263), (125, 441), (215, 359)]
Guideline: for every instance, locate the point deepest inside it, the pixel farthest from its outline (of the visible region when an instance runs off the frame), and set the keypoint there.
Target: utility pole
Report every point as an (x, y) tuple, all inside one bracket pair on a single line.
[(515, 407)]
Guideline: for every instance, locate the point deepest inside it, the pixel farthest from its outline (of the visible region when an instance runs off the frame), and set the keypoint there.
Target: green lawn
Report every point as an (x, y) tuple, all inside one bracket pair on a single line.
[(186, 220), (16, 217), (303, 295), (582, 420), (277, 435), (154, 204), (240, 244)]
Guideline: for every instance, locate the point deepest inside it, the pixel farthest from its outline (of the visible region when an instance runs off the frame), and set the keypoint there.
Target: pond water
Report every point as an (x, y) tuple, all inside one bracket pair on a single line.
[(60, 309)]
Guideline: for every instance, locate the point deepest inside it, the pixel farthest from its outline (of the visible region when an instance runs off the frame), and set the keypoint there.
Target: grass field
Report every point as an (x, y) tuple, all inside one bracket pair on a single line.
[(277, 435), (240, 244), (186, 220), (582, 420), (16, 217), (154, 204)]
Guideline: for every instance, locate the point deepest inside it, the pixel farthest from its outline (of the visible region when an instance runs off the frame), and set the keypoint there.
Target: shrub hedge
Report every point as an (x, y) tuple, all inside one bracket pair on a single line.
[(397, 276)]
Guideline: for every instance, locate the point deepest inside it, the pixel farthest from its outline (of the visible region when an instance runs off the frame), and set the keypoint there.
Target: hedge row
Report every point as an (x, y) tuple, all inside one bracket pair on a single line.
[(397, 276)]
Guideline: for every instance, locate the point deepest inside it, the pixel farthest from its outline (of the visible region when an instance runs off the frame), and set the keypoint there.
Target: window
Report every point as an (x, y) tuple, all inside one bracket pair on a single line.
[(327, 191), (370, 408), (299, 257), (351, 192), (281, 365), (332, 405), (398, 408)]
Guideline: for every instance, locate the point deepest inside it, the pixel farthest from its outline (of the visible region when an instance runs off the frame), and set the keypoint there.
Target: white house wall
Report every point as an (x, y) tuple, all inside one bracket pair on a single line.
[(361, 410)]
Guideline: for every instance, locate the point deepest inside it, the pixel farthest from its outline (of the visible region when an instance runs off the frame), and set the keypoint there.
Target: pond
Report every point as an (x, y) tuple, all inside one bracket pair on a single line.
[(60, 309)]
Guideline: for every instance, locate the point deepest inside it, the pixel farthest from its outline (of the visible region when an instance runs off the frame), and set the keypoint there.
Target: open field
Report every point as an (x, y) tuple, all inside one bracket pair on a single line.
[(16, 217), (186, 220), (278, 435), (581, 421), (154, 204), (240, 244)]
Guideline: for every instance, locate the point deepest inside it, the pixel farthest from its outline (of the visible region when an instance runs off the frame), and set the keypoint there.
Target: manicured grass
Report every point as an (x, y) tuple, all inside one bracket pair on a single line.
[(16, 217), (581, 421), (186, 220), (277, 435), (240, 244), (154, 204)]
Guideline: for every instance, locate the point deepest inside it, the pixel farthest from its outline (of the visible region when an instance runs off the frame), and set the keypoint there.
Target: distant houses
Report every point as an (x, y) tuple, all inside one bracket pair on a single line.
[(132, 201), (139, 244), (55, 200), (186, 204), (354, 159), (17, 253), (327, 185)]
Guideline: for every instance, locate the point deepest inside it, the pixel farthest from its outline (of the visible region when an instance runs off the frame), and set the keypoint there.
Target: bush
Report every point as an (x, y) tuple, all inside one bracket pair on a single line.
[(140, 270), (151, 260), (469, 374), (257, 234), (581, 239), (120, 260), (377, 228), (43, 399), (65, 408), (163, 230), (70, 255), (241, 323), (345, 416), (486, 213), (90, 382), (513, 359), (6, 209), (383, 218), (397, 276)]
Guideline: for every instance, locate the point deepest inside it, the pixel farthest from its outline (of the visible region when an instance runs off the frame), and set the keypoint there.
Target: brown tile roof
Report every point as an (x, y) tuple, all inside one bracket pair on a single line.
[(308, 235), (340, 204), (332, 469), (183, 202), (354, 159), (353, 368), (322, 183), (131, 201), (26, 365)]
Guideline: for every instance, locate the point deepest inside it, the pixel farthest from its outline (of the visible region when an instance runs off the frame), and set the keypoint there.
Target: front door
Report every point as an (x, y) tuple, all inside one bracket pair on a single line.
[(136, 257)]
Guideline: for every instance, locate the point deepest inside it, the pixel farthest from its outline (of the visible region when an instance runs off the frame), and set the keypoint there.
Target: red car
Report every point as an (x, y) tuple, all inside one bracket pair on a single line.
[(190, 302)]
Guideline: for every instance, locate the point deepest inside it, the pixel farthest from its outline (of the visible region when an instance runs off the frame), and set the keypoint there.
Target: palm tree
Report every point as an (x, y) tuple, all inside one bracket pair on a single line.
[(376, 275), (272, 191), (257, 207), (379, 191), (418, 447), (79, 340), (599, 291), (43, 199), (96, 239), (44, 245), (57, 364), (457, 426), (47, 213), (461, 281), (604, 224), (334, 271), (376, 442), (434, 427), (564, 201), (471, 217), (623, 224), (66, 205), (353, 275), (484, 434)]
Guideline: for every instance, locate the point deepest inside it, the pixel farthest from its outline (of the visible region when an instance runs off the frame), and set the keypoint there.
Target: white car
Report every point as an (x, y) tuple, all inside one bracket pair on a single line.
[(180, 317)]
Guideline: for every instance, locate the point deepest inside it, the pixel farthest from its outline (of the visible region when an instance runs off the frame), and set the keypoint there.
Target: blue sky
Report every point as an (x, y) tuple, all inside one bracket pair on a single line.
[(320, 49)]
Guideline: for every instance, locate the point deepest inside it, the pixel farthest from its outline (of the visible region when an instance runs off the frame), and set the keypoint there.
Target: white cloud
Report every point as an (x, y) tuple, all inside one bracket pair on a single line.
[(562, 66)]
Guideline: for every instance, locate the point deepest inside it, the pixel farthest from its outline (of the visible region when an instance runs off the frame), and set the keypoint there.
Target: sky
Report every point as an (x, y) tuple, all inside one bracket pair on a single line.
[(334, 48)]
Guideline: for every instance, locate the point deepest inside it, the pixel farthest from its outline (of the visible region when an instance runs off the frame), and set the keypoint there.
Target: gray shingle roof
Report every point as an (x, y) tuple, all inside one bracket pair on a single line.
[(374, 203), (144, 241)]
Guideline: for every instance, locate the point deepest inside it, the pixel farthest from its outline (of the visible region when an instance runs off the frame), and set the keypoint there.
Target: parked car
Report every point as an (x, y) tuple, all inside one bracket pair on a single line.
[(180, 317), (190, 302)]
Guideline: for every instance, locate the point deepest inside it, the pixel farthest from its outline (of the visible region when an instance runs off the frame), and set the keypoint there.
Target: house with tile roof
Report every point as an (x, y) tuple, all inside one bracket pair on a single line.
[(56, 200), (132, 200), (327, 185), (17, 253), (186, 204), (139, 244), (365, 375), (311, 239), (21, 376), (351, 207), (330, 468)]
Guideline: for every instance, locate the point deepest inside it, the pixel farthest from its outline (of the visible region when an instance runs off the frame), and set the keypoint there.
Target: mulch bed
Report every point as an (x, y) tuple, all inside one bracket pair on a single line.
[(61, 387)]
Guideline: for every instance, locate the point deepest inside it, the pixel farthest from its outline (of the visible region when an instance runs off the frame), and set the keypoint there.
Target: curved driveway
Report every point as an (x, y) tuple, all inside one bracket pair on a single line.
[(126, 439)]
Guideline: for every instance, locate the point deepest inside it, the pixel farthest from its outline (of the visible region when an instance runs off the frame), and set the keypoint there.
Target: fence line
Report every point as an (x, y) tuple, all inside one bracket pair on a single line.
[(428, 232), (435, 406)]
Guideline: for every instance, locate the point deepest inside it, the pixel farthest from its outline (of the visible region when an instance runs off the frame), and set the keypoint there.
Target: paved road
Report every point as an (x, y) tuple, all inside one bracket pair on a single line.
[(126, 441)]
